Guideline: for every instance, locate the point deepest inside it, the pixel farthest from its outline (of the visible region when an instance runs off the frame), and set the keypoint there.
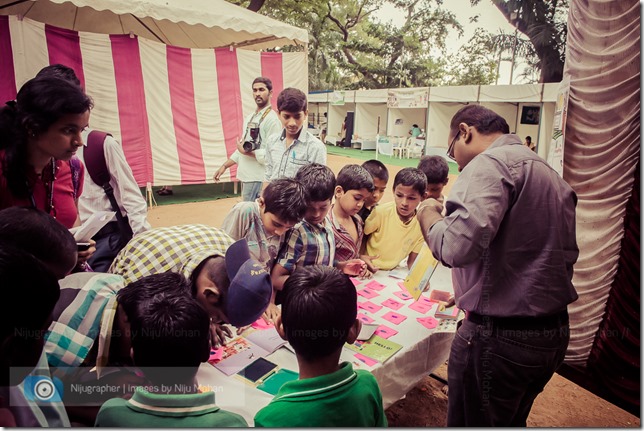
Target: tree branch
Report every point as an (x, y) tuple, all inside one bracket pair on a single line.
[(255, 5), (345, 33)]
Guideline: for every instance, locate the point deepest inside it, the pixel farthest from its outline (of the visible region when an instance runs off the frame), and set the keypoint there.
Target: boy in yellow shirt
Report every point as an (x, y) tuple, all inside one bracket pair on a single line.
[(393, 227)]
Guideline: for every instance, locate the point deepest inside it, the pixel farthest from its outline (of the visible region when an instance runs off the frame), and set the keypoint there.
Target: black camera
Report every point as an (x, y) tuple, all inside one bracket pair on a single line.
[(255, 140)]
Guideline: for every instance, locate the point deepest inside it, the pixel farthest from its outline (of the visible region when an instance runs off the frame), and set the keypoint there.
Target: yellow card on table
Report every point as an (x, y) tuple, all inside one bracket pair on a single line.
[(421, 271)]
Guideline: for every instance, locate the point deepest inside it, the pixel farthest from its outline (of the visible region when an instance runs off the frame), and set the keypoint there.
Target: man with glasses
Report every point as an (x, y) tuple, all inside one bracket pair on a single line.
[(509, 235)]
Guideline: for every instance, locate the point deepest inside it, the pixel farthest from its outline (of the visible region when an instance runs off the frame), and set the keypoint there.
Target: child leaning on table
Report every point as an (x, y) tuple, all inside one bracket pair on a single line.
[(393, 228), (170, 339), (436, 170), (265, 222), (318, 317), (311, 242), (353, 186)]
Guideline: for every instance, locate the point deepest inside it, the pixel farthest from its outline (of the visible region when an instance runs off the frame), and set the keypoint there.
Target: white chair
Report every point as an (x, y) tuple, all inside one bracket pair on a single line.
[(416, 149), (384, 146), (403, 147), (397, 145)]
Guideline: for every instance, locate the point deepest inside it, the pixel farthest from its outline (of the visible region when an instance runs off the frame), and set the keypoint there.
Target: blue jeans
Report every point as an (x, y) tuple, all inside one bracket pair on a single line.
[(251, 190), (107, 247), (495, 373)]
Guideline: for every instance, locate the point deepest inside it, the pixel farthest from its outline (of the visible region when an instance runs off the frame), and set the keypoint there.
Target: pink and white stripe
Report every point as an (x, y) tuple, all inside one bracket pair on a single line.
[(176, 111)]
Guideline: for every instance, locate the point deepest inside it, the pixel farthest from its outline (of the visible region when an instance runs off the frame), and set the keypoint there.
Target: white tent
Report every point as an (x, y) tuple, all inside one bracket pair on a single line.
[(177, 109), (340, 102), (528, 109), (371, 114), (512, 102), (185, 23)]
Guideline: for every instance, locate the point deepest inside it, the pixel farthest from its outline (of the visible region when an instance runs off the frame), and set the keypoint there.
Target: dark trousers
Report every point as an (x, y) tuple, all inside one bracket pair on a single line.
[(495, 372), (108, 245)]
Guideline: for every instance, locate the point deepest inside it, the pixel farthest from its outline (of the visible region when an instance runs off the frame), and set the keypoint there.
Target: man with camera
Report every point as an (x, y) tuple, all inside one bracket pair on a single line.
[(249, 154)]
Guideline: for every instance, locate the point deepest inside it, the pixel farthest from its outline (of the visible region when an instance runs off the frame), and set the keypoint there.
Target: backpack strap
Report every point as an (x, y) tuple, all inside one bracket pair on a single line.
[(94, 154), (75, 168)]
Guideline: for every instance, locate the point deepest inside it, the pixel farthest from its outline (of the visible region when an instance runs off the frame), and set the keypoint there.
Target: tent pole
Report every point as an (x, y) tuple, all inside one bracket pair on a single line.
[(12, 4), (148, 28)]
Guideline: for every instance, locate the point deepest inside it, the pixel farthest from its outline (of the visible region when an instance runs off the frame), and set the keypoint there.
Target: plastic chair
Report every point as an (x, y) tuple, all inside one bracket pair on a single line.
[(383, 146), (416, 149), (402, 149)]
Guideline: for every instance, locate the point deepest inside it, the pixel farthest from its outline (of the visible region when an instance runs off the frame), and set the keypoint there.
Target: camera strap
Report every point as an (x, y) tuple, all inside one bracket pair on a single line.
[(264, 116), (267, 110)]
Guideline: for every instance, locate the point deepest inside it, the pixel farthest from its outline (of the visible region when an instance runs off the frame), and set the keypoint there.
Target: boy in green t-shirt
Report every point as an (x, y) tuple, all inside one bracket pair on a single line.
[(318, 317), (170, 336)]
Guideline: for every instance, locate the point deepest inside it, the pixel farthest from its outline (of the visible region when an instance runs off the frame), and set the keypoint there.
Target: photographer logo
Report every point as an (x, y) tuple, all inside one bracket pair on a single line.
[(43, 389)]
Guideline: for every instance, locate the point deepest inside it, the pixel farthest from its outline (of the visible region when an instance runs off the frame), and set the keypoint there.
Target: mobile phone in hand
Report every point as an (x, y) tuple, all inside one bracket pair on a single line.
[(83, 246)]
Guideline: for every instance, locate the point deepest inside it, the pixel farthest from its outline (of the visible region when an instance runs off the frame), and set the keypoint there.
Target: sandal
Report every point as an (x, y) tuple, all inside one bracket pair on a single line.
[(164, 192)]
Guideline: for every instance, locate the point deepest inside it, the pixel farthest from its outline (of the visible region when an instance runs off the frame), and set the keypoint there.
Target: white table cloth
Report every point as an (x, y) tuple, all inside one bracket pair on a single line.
[(422, 352)]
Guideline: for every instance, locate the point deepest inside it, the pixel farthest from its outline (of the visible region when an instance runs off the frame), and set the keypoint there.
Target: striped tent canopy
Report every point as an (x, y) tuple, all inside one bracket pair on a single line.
[(185, 23), (177, 111)]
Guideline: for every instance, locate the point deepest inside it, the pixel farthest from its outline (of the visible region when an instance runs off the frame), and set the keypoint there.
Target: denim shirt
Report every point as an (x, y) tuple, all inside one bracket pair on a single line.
[(283, 162)]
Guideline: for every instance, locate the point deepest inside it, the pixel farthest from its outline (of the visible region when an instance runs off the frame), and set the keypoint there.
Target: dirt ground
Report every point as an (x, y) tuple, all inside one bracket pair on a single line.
[(562, 404)]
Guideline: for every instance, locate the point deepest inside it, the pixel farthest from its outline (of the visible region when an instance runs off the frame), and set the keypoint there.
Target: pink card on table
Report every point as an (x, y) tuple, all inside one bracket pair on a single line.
[(401, 284), (367, 360), (403, 295), (355, 281), (421, 307), (395, 318), (261, 324), (367, 293), (428, 322), (385, 331), (364, 318), (426, 300), (369, 306), (216, 355), (390, 303), (375, 285)]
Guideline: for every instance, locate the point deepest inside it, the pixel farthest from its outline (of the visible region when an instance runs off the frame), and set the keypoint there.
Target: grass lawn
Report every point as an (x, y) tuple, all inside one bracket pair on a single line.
[(209, 192), (354, 153)]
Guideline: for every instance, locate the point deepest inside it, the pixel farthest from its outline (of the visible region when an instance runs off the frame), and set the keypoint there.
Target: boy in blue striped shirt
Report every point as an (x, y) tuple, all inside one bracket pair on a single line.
[(311, 242)]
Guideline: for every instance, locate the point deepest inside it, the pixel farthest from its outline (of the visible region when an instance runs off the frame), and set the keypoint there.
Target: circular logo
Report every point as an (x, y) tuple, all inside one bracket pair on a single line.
[(44, 389)]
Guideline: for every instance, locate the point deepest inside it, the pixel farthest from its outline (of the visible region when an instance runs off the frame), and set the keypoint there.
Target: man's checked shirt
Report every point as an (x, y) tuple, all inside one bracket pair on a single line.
[(177, 248)]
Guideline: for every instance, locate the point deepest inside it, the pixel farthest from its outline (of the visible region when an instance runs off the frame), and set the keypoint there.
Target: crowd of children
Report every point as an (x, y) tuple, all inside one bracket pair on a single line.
[(170, 293)]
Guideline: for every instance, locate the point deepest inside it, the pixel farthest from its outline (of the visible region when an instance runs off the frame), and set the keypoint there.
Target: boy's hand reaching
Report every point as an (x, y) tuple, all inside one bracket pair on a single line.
[(368, 260), (271, 313), (365, 274), (218, 334), (354, 267)]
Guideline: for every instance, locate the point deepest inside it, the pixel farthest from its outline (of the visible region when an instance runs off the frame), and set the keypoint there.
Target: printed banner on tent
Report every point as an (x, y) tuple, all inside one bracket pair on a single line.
[(336, 98), (176, 111), (556, 152), (407, 98)]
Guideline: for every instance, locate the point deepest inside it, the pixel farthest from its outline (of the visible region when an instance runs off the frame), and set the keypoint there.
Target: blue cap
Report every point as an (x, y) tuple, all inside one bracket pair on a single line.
[(250, 288)]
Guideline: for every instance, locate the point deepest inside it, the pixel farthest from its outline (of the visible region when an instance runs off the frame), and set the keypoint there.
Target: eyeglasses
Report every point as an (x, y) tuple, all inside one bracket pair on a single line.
[(450, 149)]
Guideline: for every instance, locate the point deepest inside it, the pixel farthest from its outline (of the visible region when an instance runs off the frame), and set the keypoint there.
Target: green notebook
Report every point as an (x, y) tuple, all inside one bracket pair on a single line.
[(376, 348), (275, 382)]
